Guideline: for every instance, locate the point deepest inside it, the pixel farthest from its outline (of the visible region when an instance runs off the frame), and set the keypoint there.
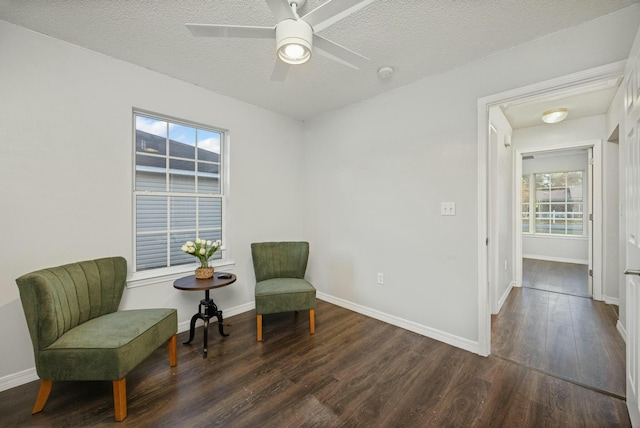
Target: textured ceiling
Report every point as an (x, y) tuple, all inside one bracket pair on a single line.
[(417, 37)]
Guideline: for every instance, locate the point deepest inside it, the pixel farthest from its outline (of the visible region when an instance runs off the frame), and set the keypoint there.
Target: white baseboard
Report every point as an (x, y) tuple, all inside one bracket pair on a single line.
[(450, 339), (17, 379), (504, 296), (555, 259), (621, 330), (611, 300), (237, 310)]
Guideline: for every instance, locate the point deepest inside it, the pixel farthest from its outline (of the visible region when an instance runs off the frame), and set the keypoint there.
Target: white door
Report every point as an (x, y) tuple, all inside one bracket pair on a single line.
[(630, 154)]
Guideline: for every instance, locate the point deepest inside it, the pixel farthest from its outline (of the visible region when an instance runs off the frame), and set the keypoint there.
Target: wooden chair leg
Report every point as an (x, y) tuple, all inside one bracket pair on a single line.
[(43, 395), (120, 398), (173, 351), (312, 321), (259, 327)]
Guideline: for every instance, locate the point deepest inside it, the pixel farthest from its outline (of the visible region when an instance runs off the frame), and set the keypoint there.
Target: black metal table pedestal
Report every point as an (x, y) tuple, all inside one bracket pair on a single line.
[(210, 311)]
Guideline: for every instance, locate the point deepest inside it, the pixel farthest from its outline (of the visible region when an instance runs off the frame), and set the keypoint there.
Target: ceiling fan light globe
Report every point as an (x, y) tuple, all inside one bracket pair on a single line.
[(293, 38), (294, 53), (294, 50)]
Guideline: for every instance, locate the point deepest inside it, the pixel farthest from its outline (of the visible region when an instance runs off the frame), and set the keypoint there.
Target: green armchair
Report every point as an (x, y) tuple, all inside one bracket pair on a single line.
[(280, 283), (78, 333)]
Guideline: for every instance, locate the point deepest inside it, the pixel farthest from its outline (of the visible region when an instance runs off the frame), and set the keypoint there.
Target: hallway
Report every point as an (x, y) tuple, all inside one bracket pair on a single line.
[(569, 337), (566, 278)]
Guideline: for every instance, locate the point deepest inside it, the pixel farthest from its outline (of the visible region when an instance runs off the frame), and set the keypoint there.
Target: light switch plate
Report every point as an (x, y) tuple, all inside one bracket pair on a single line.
[(447, 208)]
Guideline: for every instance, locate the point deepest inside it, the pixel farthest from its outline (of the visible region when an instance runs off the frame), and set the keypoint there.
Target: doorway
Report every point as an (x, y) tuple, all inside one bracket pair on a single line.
[(559, 232), (549, 321), (573, 173), (557, 221), (548, 89)]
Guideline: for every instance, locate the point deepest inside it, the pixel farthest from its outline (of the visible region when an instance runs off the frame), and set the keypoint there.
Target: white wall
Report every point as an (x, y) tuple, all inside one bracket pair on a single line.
[(569, 249), (556, 248), (66, 172), (569, 131), (501, 222), (378, 170)]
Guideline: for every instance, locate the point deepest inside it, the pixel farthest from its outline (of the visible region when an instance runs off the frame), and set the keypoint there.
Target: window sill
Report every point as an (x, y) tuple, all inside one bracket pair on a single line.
[(157, 276), (551, 236)]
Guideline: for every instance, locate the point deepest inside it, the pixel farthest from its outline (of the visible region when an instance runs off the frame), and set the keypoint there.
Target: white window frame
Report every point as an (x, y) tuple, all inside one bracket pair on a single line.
[(163, 274)]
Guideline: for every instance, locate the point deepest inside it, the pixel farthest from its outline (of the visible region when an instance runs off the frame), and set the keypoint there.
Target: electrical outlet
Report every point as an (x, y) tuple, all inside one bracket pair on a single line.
[(506, 264), (380, 278)]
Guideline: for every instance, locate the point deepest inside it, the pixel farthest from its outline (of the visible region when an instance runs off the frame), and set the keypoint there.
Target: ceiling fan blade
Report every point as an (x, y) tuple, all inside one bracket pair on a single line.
[(332, 11), (281, 9), (338, 53), (280, 70), (215, 30)]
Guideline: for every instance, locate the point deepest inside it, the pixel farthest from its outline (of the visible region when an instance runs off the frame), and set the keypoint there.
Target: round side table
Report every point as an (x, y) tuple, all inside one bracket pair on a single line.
[(207, 308)]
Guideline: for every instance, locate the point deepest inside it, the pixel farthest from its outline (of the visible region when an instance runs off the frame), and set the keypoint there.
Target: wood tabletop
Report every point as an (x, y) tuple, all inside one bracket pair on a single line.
[(191, 283)]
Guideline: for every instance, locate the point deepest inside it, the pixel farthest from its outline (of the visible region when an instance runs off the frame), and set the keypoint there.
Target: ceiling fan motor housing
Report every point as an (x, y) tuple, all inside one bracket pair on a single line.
[(294, 32)]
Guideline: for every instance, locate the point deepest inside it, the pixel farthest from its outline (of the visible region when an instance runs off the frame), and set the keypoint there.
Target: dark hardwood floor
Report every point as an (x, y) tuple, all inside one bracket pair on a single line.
[(574, 338), (355, 371), (566, 278)]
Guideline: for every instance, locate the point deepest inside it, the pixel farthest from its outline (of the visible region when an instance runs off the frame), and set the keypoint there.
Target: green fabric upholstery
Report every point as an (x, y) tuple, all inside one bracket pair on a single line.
[(280, 283), (76, 330), (279, 259), (108, 347), (284, 295)]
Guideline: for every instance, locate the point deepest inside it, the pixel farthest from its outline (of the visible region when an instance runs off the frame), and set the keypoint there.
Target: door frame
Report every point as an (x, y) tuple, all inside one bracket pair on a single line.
[(613, 70), (592, 183), (596, 238)]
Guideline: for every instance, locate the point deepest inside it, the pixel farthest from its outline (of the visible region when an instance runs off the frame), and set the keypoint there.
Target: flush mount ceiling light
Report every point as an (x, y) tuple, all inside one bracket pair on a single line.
[(555, 115)]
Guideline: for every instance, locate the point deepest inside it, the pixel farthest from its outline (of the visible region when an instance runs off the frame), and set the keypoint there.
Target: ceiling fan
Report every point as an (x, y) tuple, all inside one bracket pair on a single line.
[(296, 37)]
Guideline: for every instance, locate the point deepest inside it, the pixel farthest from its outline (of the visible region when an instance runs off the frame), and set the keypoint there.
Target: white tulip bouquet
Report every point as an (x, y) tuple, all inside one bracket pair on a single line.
[(202, 250)]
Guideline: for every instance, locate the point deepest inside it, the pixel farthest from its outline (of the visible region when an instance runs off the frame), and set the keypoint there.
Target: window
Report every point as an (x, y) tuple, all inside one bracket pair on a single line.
[(178, 189), (552, 203), (526, 213)]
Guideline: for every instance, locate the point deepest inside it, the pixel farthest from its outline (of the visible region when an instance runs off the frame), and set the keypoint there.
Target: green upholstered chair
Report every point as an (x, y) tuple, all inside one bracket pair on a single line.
[(78, 333), (280, 283)]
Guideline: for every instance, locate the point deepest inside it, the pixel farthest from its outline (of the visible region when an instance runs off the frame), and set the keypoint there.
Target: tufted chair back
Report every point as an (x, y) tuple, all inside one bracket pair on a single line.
[(279, 259), (55, 300)]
